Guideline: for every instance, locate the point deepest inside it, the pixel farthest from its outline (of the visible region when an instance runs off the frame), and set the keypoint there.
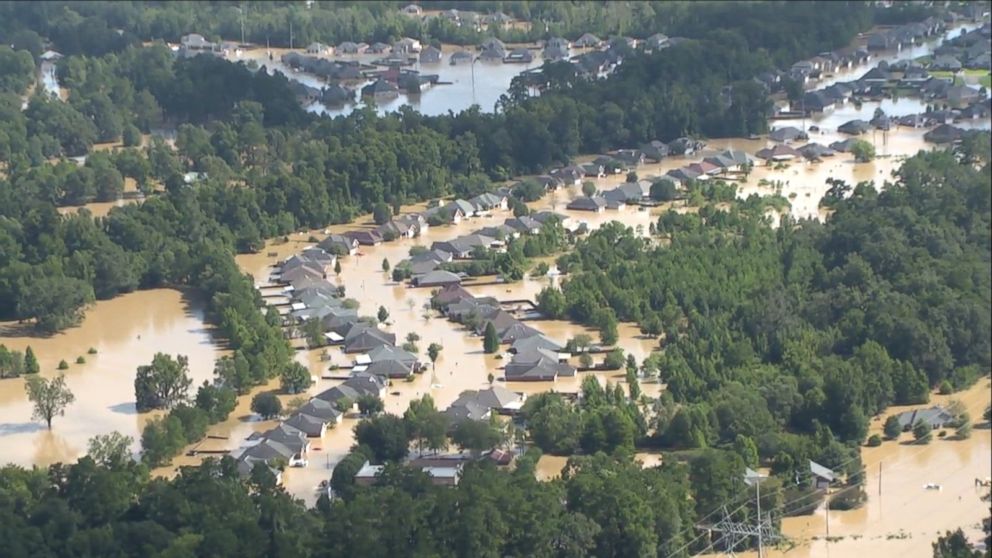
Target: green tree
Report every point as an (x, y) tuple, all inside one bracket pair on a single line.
[(295, 378), (31, 365), (382, 315), (266, 404), (385, 265), (588, 189), (110, 450), (663, 190), (370, 405), (162, 384), (955, 545), (922, 432), (433, 352), (892, 428), (337, 266), (490, 339), (426, 424), (862, 150), (551, 303), (381, 213), (385, 435), (476, 436), (48, 397)]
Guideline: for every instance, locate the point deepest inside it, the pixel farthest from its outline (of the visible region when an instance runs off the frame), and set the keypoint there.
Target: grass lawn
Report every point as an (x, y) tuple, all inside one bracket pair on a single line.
[(986, 80)]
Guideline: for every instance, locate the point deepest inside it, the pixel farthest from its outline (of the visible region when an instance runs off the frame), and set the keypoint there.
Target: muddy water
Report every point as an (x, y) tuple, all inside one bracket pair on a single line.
[(126, 333), (897, 519), (457, 93), (102, 209)]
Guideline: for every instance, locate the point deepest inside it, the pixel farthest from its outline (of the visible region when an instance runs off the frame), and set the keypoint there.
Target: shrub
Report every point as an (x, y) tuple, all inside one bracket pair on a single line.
[(874, 441), (80, 360), (63, 365), (92, 351), (946, 388)]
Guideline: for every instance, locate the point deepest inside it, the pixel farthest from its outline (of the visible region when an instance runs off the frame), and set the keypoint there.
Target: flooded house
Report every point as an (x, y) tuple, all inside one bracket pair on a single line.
[(780, 152), (595, 204), (381, 90), (430, 55), (935, 417), (436, 278), (519, 56), (588, 40), (319, 49)]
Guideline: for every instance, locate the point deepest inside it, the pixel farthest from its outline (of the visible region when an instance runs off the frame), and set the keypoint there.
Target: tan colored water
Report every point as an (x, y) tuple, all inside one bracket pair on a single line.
[(901, 518), (126, 332), (168, 325)]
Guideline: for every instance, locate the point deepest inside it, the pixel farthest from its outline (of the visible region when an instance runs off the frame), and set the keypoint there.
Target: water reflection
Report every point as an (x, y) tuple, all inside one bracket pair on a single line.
[(456, 92)]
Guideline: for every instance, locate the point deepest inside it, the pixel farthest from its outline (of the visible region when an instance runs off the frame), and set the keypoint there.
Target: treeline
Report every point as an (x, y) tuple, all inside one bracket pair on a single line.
[(102, 27), (790, 339), (602, 506), (241, 129)]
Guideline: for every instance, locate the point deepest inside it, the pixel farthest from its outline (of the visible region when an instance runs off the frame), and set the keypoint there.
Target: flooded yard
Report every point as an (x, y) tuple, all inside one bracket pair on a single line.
[(898, 519), (126, 332)]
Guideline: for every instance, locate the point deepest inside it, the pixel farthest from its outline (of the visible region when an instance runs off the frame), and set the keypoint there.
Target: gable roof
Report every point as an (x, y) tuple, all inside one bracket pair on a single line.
[(539, 341), (585, 203), (821, 472)]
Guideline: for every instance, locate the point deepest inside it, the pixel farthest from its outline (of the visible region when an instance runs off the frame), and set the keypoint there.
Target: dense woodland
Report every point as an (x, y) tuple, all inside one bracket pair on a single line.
[(793, 338), (794, 382), (272, 168)]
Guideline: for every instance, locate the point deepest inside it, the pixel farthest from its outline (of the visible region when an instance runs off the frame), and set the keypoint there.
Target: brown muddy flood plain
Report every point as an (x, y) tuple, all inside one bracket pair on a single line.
[(126, 333)]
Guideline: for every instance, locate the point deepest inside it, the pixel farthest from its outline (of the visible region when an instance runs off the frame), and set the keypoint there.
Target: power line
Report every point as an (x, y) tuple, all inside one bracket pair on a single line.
[(784, 505)]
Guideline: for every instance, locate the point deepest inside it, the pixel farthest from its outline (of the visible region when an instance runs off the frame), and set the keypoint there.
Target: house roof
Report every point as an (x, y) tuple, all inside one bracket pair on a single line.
[(322, 409), (309, 424), (815, 151), (821, 472), (364, 339), (268, 450), (787, 133), (854, 127), (780, 151), (539, 341), (386, 353), (936, 417), (450, 294), (517, 331), (501, 320), (389, 369), (585, 203), (436, 278)]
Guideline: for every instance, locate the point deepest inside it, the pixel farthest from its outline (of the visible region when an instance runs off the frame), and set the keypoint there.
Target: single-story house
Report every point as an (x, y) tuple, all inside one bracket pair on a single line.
[(588, 40), (339, 245), (937, 417), (584, 203), (436, 278), (787, 134), (310, 425), (820, 476), (365, 237), (430, 55), (519, 56), (780, 152), (854, 127)]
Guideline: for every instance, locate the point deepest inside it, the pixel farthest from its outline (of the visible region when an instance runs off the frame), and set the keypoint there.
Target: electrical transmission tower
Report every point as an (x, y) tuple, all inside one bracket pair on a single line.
[(736, 533)]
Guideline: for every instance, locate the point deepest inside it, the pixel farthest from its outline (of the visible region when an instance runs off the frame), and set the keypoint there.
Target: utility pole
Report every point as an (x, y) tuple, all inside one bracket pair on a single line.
[(290, 33), (761, 549), (244, 6)]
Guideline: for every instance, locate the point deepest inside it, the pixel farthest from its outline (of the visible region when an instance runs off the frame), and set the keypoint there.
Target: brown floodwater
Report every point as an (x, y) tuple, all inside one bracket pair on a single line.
[(126, 332), (897, 519), (175, 326)]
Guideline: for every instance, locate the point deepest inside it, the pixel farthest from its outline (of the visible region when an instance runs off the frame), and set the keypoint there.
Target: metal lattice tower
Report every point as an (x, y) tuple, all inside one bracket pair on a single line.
[(734, 533)]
